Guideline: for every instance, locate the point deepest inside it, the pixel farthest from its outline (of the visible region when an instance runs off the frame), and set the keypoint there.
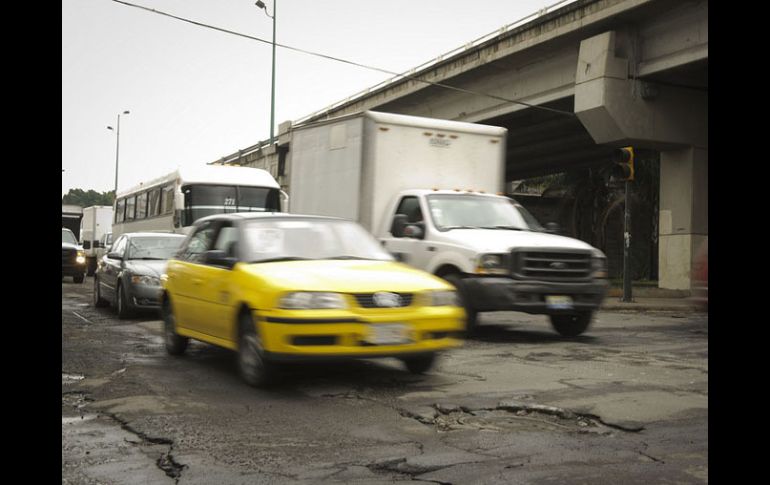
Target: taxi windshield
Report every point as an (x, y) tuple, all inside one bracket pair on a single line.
[(302, 239)]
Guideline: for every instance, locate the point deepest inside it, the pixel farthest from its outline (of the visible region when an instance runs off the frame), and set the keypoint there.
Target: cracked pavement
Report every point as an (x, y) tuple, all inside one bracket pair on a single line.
[(625, 402)]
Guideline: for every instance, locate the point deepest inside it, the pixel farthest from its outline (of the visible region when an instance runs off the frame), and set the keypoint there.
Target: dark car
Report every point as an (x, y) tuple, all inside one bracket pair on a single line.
[(73, 258), (128, 276)]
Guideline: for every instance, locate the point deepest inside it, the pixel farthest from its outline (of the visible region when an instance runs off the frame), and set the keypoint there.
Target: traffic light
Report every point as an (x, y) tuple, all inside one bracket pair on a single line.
[(622, 164)]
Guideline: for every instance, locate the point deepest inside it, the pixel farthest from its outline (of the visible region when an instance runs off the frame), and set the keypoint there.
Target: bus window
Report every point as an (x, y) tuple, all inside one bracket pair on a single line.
[(154, 207), (168, 199), (130, 208), (141, 205), (120, 211)]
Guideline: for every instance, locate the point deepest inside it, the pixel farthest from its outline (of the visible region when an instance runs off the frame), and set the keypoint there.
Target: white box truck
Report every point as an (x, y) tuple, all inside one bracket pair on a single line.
[(96, 222), (428, 189)]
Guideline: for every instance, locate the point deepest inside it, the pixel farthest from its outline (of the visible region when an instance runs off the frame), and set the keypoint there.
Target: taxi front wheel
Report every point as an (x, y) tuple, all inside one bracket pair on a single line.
[(175, 344), (421, 364), (251, 362)]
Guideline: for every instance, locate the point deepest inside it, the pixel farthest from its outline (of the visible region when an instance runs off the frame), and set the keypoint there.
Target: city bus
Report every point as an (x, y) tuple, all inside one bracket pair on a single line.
[(172, 203)]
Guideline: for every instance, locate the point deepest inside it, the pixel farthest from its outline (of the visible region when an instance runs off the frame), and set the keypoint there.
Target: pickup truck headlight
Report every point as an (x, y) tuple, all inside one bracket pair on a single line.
[(145, 280), (312, 300), (492, 264), (599, 265), (80, 258), (444, 298)]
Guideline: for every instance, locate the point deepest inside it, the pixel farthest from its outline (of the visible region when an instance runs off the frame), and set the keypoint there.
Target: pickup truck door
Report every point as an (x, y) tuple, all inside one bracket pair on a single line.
[(412, 251)]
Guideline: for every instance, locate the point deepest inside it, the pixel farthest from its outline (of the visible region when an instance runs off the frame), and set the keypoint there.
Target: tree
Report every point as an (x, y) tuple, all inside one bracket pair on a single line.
[(86, 199)]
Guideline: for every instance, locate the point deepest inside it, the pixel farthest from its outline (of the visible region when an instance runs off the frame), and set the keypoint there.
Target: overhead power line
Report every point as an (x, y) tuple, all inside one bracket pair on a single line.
[(337, 59)]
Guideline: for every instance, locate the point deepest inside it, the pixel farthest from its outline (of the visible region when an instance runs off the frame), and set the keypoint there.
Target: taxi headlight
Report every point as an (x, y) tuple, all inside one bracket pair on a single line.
[(307, 300), (492, 264), (145, 280), (444, 298)]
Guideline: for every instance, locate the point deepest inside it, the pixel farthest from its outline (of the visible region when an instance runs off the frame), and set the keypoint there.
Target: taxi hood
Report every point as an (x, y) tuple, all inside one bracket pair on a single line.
[(346, 276)]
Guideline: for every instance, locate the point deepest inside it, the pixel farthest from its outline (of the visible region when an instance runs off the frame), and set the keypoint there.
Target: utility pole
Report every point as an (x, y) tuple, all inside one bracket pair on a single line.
[(622, 168), (627, 297)]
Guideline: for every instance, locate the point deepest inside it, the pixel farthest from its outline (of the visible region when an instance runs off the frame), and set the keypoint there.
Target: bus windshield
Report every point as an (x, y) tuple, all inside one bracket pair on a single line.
[(206, 200)]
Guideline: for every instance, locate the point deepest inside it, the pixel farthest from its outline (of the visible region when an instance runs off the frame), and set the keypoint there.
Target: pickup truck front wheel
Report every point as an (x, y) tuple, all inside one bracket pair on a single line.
[(472, 315), (571, 325)]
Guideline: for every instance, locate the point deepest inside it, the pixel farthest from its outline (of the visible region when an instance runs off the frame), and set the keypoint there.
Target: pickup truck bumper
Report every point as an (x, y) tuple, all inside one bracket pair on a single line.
[(502, 293)]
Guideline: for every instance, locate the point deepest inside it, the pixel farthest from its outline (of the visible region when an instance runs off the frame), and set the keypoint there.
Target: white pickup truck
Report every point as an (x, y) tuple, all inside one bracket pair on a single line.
[(429, 191)]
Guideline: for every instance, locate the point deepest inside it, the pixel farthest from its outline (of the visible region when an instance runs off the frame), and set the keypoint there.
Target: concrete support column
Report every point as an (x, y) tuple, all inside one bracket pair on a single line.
[(617, 110), (683, 224)]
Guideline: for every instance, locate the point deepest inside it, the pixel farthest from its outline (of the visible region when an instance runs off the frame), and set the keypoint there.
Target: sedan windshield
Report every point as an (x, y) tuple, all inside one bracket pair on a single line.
[(301, 239), (466, 211), (154, 247)]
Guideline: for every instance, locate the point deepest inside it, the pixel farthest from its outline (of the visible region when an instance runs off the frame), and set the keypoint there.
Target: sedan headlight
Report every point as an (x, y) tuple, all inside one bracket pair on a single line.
[(145, 280), (492, 264), (444, 298), (312, 300)]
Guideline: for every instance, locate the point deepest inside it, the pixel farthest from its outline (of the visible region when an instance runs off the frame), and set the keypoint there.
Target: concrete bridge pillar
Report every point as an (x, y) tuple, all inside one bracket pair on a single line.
[(619, 110)]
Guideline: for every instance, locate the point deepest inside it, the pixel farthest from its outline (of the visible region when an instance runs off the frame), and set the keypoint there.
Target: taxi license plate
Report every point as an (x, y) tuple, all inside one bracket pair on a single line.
[(388, 334), (558, 302)]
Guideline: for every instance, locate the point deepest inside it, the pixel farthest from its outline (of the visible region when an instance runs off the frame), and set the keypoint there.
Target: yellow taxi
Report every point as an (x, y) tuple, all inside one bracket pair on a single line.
[(279, 287)]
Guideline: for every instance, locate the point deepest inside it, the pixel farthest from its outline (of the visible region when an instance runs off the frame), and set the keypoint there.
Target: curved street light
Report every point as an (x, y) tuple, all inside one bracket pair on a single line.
[(261, 4), (117, 148)]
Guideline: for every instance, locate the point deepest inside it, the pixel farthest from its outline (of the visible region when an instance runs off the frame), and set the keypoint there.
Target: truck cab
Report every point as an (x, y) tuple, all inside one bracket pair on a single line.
[(497, 255)]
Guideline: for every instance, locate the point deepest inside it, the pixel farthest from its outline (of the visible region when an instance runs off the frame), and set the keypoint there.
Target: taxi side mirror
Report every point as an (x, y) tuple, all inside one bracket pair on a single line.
[(217, 257)]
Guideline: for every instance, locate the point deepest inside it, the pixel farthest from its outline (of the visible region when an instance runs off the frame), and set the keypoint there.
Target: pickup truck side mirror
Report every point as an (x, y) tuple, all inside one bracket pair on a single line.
[(414, 231), (398, 226), (552, 228), (217, 257)]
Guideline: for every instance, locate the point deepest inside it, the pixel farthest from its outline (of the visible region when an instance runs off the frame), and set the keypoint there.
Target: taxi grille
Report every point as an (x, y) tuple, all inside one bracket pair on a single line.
[(370, 300)]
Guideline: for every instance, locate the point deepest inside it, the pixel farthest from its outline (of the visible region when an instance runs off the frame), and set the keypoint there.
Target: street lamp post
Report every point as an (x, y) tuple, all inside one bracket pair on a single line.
[(262, 5), (117, 148)]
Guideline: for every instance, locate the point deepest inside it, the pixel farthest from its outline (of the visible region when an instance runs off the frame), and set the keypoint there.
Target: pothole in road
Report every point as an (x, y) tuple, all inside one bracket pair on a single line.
[(511, 415)]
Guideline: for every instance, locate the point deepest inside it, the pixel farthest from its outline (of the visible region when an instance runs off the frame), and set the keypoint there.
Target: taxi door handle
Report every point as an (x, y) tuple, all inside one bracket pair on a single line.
[(197, 281)]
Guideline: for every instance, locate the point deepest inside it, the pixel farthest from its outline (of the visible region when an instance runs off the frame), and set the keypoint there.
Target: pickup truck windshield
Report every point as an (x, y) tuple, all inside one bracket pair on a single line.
[(302, 239), (68, 237), (468, 211)]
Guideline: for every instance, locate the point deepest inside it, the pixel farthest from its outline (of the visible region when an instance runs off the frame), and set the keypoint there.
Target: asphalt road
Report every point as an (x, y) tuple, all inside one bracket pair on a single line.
[(627, 402)]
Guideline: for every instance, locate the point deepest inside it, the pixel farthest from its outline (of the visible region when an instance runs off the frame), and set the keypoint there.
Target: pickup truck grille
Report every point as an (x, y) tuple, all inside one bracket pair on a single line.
[(68, 256), (368, 300), (551, 264)]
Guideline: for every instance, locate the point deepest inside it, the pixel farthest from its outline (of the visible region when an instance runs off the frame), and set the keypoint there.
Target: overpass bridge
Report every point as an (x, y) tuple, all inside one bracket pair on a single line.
[(571, 83)]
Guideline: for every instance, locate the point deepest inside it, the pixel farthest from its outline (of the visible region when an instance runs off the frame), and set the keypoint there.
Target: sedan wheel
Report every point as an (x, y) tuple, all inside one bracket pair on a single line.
[(99, 302), (124, 307)]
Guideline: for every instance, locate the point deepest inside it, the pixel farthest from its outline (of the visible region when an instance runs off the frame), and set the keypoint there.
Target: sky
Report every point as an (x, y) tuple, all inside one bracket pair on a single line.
[(195, 94)]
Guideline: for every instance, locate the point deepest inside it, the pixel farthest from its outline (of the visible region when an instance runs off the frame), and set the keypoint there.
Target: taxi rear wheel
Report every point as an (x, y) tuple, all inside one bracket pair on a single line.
[(175, 343), (254, 369), (420, 364)]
